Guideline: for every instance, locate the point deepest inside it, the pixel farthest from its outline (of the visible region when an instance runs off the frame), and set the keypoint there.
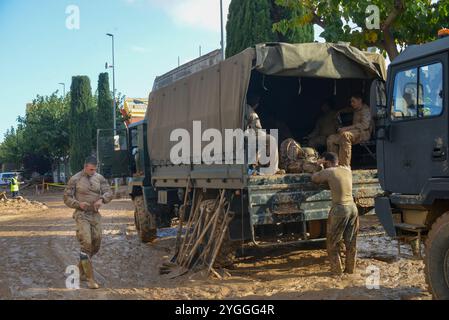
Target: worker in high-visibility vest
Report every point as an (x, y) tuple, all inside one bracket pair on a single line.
[(14, 183)]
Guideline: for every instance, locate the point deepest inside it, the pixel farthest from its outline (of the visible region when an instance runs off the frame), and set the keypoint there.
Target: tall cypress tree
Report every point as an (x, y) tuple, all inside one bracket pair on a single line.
[(82, 122), (105, 104), (251, 22)]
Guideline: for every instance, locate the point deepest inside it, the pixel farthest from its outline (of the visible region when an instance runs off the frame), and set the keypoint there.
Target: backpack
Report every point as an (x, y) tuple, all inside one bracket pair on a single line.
[(295, 159)]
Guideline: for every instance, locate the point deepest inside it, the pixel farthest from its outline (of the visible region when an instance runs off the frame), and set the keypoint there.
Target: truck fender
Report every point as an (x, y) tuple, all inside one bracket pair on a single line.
[(385, 215)]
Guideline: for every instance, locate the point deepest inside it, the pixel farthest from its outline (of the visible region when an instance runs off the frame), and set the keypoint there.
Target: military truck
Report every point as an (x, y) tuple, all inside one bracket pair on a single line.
[(293, 81), (412, 149)]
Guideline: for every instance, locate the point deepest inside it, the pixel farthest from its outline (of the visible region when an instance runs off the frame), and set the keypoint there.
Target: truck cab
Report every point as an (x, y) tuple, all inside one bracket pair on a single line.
[(412, 156)]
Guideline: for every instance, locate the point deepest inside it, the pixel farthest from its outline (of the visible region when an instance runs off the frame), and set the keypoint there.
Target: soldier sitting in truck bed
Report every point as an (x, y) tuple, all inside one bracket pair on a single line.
[(325, 126), (252, 120), (360, 131)]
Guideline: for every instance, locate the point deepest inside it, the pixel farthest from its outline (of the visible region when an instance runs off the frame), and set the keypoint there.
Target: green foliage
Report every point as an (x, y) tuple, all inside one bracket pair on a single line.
[(82, 122), (105, 103), (55, 127), (45, 127), (41, 133), (120, 118), (412, 22), (9, 148), (251, 22)]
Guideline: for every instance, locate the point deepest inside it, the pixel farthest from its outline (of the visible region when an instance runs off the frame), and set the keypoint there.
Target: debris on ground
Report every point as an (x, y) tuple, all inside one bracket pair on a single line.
[(37, 247), (198, 248), (19, 204)]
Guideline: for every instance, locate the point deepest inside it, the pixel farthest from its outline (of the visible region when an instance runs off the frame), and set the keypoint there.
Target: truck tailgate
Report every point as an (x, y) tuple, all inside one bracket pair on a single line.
[(295, 198)]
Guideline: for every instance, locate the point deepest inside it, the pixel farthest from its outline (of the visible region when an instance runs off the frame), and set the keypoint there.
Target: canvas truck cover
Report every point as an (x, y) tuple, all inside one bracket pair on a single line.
[(216, 96), (319, 60)]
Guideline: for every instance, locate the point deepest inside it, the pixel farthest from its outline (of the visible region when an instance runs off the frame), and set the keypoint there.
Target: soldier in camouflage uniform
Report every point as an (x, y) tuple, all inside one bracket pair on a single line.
[(326, 126), (360, 131), (252, 120), (86, 192), (343, 221)]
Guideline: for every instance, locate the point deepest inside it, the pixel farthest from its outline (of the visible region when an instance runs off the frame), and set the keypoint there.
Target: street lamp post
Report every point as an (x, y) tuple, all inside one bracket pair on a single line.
[(114, 102), (113, 81), (59, 160), (63, 87)]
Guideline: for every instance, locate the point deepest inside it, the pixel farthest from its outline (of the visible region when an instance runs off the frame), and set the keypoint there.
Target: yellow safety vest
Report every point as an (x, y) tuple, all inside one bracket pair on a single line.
[(14, 185)]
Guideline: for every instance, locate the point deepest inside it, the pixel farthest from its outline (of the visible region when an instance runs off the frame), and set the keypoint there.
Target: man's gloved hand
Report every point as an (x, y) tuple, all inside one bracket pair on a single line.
[(98, 204), (84, 206)]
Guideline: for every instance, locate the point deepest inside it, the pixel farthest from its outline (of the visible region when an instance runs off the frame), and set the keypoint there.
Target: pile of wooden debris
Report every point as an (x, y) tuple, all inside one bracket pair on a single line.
[(203, 240)]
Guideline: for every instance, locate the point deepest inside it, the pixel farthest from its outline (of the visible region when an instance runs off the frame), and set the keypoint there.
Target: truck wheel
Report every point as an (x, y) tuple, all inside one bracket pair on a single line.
[(144, 221), (437, 258)]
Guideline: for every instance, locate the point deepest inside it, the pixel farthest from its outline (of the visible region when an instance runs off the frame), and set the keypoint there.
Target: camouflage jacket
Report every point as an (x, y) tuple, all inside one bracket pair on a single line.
[(363, 121), (252, 120), (82, 188)]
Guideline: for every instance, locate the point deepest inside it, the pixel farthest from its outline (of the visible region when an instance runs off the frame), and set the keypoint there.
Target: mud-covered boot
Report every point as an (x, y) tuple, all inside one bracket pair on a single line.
[(82, 273), (88, 269), (351, 261)]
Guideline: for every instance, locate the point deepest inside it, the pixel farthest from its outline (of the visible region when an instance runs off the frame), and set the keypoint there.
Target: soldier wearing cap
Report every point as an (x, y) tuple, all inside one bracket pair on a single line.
[(86, 192)]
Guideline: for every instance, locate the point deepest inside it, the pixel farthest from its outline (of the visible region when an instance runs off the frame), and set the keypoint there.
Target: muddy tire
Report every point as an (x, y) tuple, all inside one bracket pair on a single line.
[(437, 258), (144, 221)]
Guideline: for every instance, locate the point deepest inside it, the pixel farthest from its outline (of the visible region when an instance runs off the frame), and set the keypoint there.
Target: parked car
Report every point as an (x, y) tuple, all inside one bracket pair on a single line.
[(5, 177)]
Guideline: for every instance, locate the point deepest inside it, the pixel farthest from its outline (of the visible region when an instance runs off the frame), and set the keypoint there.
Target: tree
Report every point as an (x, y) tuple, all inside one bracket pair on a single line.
[(9, 148), (45, 127), (251, 22), (105, 103), (82, 122), (400, 22), (44, 133)]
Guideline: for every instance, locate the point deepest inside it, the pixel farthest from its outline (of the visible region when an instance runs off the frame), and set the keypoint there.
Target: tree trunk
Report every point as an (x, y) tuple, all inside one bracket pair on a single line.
[(59, 170), (66, 170), (389, 44)]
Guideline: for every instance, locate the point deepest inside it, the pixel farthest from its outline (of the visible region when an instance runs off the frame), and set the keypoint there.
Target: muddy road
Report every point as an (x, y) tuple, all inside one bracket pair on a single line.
[(37, 245)]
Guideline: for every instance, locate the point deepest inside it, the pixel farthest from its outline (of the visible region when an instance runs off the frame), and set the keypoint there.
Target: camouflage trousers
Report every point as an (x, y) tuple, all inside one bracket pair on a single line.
[(88, 231), (341, 144), (342, 228)]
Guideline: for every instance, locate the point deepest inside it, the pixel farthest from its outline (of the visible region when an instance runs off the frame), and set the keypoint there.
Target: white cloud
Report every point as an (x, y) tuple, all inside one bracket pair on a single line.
[(203, 14), (139, 49)]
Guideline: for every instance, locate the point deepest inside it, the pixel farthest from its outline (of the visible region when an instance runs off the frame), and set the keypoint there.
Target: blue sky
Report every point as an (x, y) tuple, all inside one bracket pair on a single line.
[(38, 51)]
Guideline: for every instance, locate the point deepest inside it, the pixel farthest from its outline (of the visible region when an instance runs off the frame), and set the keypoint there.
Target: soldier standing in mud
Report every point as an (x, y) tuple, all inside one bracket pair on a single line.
[(343, 221), (86, 192)]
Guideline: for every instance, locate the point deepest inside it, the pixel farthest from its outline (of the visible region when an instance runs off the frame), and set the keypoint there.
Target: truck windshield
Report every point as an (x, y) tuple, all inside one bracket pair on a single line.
[(418, 92)]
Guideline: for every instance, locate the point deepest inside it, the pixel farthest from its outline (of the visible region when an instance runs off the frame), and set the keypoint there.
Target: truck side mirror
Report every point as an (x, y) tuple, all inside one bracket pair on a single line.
[(378, 100)]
